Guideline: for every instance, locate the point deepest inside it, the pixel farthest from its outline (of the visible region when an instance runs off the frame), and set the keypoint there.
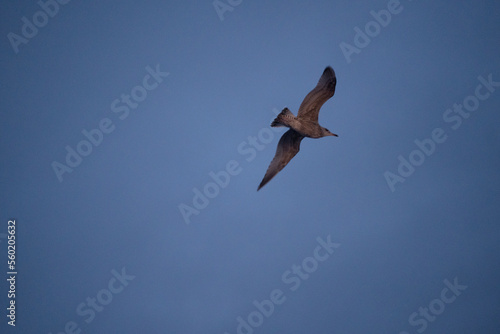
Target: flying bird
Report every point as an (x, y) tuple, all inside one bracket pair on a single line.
[(304, 125)]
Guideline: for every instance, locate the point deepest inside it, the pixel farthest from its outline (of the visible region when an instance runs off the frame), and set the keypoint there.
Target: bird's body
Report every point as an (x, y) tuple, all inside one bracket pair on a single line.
[(306, 128), (305, 124)]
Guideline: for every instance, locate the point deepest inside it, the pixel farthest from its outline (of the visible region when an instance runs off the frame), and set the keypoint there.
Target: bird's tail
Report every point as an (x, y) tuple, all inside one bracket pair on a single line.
[(283, 118)]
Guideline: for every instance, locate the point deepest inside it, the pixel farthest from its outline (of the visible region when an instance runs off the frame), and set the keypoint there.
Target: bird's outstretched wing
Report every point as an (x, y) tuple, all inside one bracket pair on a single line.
[(288, 147), (309, 108)]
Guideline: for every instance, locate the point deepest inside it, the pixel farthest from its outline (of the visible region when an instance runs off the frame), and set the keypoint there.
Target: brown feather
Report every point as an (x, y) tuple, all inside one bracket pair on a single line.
[(288, 147), (309, 108)]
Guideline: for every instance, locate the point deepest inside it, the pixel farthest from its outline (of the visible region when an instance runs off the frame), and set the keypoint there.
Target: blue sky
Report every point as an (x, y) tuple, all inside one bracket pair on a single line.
[(160, 102)]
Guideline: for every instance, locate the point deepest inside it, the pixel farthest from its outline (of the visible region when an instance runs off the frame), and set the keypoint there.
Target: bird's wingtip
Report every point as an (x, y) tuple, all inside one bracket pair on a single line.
[(329, 69)]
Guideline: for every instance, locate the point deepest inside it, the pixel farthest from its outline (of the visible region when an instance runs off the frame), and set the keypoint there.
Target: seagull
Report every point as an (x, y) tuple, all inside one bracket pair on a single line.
[(304, 125)]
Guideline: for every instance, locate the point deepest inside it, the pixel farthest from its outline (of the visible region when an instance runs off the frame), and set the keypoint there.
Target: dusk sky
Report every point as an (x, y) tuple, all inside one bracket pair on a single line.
[(133, 138)]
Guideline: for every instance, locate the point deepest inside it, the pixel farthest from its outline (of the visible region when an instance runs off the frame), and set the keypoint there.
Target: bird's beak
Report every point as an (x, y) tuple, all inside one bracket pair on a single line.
[(333, 134)]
